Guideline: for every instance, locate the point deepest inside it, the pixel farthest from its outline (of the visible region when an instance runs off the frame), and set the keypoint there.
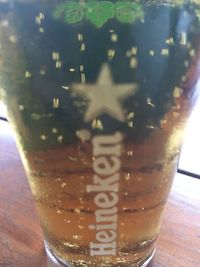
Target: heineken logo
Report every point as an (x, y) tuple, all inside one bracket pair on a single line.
[(98, 13), (107, 152)]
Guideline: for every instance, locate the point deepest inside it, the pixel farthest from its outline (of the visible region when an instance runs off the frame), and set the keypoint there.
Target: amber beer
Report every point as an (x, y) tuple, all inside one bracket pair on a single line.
[(99, 93)]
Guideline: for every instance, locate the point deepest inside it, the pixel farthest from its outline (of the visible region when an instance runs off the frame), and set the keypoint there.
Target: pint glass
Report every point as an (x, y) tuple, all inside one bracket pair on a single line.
[(98, 94)]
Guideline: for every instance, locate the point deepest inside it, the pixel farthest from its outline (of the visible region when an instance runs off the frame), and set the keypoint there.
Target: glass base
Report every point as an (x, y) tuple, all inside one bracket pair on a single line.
[(54, 262)]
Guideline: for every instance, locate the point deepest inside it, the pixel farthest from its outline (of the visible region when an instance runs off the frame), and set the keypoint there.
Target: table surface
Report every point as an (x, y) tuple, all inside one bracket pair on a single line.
[(21, 242)]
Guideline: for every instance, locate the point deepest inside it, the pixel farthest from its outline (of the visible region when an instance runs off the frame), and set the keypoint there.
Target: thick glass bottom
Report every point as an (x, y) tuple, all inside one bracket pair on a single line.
[(53, 261)]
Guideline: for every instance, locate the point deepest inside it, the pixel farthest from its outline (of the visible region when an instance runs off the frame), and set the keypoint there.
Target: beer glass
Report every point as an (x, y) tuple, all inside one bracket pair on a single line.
[(98, 94)]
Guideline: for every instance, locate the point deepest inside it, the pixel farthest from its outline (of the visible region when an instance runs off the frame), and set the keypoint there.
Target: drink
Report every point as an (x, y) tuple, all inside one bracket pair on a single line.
[(99, 94)]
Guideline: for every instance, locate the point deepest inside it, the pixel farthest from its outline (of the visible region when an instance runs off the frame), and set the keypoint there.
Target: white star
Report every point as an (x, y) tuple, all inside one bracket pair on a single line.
[(104, 96)]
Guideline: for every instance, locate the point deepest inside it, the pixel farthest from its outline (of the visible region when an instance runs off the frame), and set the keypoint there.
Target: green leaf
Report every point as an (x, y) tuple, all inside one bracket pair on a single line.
[(74, 12), (127, 12), (59, 11), (70, 11), (99, 12), (197, 12)]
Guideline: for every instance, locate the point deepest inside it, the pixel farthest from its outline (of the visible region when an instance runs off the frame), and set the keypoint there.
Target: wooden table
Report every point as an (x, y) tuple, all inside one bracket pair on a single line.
[(21, 243)]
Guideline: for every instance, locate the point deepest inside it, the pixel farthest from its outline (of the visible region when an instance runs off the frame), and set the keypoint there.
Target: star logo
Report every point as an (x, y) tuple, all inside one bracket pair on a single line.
[(104, 96)]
